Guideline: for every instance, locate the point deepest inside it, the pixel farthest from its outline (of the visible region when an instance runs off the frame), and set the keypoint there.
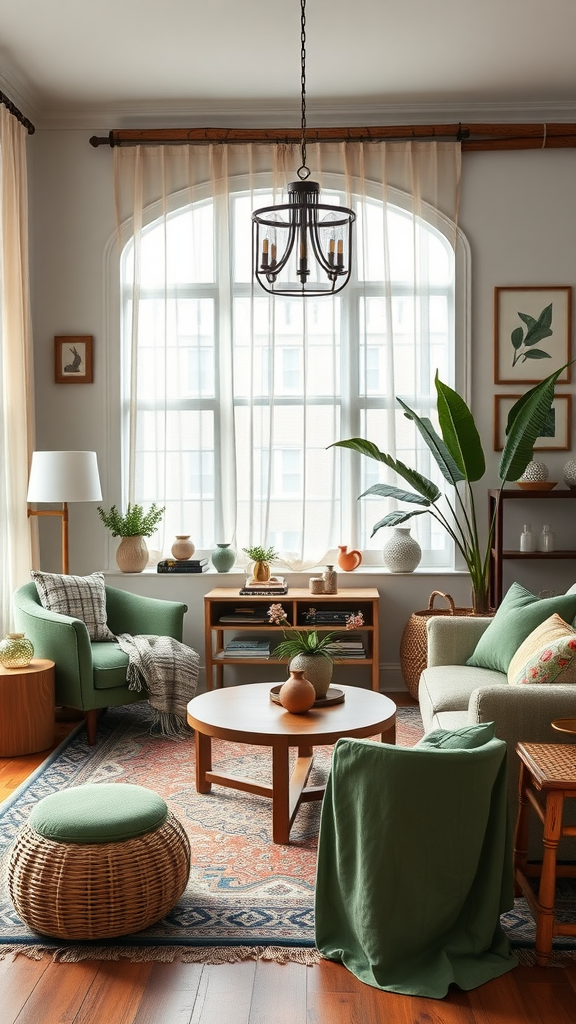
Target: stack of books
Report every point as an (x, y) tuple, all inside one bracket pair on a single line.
[(181, 565), (245, 616), (350, 646), (247, 647), (275, 585)]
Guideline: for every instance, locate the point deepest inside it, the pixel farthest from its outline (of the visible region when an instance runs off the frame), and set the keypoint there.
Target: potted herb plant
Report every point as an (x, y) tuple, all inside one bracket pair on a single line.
[(459, 455), (132, 527), (308, 650), (261, 558)]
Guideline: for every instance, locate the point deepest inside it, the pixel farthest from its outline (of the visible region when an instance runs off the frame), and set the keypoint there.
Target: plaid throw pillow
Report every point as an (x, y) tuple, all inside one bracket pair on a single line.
[(82, 597)]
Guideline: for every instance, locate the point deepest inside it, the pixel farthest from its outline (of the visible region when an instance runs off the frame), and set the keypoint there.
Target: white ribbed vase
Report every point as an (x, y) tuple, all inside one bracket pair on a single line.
[(402, 553)]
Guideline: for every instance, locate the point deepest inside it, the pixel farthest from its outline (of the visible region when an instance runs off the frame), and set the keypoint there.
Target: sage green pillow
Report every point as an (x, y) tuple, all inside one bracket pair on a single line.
[(518, 615), (469, 737)]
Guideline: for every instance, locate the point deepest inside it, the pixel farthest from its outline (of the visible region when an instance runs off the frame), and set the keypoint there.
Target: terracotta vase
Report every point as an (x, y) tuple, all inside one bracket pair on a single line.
[(348, 560), (132, 554), (316, 668), (297, 695), (182, 548)]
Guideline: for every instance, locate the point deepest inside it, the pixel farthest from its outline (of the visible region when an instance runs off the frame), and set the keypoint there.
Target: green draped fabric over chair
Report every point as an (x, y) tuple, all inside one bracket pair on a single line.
[(415, 864)]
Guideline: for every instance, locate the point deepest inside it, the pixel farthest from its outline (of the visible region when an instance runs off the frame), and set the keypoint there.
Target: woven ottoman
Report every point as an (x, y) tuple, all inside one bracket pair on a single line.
[(98, 861)]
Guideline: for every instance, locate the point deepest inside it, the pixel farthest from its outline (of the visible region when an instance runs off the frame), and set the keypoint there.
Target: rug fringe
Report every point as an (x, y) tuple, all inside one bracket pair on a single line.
[(307, 956)]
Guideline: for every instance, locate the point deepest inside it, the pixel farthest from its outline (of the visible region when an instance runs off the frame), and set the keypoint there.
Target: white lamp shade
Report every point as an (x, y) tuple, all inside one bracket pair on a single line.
[(64, 476)]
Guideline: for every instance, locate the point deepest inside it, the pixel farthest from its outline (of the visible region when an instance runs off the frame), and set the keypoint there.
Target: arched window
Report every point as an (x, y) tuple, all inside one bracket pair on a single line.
[(239, 396)]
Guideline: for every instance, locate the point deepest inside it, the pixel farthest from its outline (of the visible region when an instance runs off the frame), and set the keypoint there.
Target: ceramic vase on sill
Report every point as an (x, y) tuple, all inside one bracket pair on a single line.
[(223, 557), (401, 553), (348, 560), (132, 554), (182, 548)]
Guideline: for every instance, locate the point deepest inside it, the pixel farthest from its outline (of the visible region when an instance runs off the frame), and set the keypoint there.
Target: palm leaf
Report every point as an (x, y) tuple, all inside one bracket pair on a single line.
[(396, 518), (460, 433), (388, 491), (524, 424), (420, 483), (448, 467)]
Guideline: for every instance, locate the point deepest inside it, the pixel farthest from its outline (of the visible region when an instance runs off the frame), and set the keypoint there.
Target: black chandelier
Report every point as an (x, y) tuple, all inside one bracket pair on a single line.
[(303, 234)]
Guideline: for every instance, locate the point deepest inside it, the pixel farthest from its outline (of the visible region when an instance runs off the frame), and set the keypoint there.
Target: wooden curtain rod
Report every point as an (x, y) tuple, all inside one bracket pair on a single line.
[(472, 136), (17, 113)]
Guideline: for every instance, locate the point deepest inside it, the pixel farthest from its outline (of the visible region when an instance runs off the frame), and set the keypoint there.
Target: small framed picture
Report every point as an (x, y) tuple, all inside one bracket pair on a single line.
[(556, 434), (73, 359), (532, 333)]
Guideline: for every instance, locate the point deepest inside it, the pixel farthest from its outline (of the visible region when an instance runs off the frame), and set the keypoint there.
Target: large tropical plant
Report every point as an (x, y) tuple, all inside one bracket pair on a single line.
[(459, 455)]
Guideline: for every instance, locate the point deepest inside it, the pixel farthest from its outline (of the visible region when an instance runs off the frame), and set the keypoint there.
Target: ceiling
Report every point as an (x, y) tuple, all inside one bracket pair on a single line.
[(121, 63)]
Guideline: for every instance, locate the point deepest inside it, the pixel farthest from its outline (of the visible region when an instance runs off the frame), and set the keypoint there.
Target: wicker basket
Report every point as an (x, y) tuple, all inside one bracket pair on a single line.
[(98, 890), (414, 643)]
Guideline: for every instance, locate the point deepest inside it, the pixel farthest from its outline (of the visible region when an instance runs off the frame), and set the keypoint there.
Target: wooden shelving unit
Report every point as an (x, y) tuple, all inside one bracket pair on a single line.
[(296, 603), (499, 554)]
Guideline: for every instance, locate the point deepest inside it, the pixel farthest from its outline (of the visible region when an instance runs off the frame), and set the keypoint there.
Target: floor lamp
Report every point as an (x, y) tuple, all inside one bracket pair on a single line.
[(63, 477)]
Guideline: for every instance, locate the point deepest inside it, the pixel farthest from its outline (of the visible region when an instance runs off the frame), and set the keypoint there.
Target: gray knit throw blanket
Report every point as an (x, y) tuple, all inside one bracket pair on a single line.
[(169, 672)]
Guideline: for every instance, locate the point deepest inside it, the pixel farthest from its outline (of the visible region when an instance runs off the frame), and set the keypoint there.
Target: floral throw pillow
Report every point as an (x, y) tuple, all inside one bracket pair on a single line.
[(82, 597), (548, 655)]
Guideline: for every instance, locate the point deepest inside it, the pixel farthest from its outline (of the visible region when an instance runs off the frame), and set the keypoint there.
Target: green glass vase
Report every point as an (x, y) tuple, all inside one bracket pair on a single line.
[(16, 651)]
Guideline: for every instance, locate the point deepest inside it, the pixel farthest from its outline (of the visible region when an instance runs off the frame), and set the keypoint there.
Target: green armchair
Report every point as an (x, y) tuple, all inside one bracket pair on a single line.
[(91, 676)]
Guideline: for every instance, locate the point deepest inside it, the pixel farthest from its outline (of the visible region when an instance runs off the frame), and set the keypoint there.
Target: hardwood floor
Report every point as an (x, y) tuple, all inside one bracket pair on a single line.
[(253, 992)]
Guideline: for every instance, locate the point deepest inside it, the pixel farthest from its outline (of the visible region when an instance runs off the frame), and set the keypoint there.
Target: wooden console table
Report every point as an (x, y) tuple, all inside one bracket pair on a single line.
[(224, 601)]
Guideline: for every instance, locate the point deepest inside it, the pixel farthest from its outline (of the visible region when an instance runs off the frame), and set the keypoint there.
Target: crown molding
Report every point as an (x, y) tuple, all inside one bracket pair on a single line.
[(17, 88), (256, 114)]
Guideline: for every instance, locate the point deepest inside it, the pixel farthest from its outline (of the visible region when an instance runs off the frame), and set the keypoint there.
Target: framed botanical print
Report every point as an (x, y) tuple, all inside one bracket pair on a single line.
[(532, 333), (73, 359), (556, 433)]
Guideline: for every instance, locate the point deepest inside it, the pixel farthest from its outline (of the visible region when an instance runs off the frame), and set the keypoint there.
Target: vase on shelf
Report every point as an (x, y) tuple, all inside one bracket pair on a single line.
[(527, 539), (316, 668), (132, 554), (402, 552), (223, 557), (297, 695), (547, 539), (535, 472), (569, 475), (182, 548), (16, 651), (330, 580), (348, 560)]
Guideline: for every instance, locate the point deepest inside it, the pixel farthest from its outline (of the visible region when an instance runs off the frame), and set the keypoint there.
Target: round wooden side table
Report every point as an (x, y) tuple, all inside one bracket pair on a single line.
[(26, 708)]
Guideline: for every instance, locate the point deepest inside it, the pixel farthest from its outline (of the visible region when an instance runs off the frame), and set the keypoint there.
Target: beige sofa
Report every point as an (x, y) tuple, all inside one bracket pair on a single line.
[(453, 694)]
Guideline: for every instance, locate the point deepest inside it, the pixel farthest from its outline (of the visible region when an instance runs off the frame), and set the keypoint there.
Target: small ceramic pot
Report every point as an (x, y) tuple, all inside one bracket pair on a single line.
[(297, 695), (183, 548)]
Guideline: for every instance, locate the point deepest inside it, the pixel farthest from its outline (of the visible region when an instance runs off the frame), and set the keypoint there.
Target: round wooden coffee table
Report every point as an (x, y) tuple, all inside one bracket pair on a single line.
[(245, 714)]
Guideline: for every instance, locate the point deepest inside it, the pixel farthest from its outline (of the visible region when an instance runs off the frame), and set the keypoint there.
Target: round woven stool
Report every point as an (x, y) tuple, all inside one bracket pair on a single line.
[(98, 861)]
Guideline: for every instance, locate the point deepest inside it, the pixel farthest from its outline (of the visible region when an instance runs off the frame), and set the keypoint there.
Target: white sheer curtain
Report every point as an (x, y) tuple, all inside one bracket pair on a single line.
[(16, 373), (232, 397)]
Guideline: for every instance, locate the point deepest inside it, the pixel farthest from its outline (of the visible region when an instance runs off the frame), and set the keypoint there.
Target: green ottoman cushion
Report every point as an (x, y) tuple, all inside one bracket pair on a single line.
[(101, 813)]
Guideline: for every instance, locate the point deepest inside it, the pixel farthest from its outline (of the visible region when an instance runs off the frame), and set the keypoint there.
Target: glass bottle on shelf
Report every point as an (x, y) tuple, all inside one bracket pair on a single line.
[(527, 539), (546, 540)]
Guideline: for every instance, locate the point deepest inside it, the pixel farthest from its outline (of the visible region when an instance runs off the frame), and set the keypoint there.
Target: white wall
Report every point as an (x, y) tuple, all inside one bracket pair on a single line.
[(518, 211)]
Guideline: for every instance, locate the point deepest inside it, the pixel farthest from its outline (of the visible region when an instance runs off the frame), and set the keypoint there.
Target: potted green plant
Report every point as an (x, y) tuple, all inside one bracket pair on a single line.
[(261, 558), (132, 527), (459, 455), (308, 650)]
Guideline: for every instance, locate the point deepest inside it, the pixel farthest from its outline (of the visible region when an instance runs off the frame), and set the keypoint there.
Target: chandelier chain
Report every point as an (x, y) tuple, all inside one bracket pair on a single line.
[(303, 172)]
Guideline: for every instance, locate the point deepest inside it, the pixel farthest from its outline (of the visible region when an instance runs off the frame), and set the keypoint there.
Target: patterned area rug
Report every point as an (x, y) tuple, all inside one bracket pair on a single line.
[(244, 890), (246, 896)]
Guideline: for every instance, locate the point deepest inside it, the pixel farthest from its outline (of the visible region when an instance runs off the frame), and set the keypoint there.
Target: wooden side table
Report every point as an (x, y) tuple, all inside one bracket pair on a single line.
[(26, 708), (547, 778)]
